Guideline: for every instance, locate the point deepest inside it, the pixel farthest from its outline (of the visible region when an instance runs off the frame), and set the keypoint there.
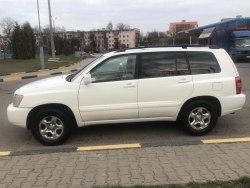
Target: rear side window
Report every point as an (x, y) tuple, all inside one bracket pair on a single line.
[(163, 64), (203, 63)]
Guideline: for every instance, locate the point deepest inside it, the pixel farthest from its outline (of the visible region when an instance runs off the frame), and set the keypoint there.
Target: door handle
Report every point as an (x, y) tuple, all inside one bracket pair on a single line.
[(129, 85), (183, 80)]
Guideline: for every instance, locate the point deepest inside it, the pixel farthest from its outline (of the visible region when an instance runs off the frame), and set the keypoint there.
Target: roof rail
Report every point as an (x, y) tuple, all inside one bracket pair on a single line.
[(184, 46)]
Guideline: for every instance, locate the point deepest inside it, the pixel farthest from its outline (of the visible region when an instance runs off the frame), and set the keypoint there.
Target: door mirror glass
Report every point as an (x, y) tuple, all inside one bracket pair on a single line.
[(87, 79)]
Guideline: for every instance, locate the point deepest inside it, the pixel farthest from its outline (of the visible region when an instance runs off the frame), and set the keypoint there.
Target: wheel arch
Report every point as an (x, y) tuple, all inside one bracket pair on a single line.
[(56, 106), (213, 100)]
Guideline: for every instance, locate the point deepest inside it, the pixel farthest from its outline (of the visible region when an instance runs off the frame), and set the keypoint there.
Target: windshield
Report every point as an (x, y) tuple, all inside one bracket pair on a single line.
[(242, 43), (76, 75)]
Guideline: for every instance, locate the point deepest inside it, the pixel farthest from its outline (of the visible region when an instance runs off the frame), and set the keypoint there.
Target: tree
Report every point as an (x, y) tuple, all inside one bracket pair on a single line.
[(46, 29), (92, 42), (7, 24), (122, 26), (109, 27), (60, 29), (66, 49), (75, 42), (59, 44), (23, 42)]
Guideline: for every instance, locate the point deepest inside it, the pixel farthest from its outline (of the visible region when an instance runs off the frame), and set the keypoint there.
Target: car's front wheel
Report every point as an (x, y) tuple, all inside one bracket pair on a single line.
[(51, 127), (199, 118)]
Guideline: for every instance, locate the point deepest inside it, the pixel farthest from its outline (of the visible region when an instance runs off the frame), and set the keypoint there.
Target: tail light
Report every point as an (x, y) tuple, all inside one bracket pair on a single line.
[(238, 85)]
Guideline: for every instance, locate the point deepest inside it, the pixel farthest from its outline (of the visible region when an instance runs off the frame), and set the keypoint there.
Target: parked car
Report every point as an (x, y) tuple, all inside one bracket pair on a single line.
[(193, 85)]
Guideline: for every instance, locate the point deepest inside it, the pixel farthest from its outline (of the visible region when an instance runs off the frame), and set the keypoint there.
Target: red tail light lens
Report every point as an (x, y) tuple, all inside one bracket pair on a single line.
[(238, 85)]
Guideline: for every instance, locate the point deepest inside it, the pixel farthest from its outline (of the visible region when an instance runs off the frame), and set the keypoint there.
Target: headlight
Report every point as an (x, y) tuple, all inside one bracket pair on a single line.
[(17, 100)]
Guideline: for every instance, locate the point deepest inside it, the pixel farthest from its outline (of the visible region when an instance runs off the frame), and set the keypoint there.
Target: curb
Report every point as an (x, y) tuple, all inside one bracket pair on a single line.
[(39, 75), (123, 146), (38, 70)]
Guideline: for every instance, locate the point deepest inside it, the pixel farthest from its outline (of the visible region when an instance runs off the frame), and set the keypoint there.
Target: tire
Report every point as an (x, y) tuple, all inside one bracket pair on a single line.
[(199, 118), (51, 127)]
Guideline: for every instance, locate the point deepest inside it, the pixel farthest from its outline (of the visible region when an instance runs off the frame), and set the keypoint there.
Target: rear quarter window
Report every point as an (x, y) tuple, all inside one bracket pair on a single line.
[(203, 63)]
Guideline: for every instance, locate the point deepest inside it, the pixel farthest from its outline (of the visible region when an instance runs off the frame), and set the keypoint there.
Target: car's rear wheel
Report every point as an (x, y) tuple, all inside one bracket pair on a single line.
[(199, 118), (51, 127)]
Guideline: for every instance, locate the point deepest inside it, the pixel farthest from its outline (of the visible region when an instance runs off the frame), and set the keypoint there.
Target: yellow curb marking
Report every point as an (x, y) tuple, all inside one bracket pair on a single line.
[(18, 73), (66, 71), (12, 79), (226, 140), (43, 70), (43, 75), (62, 67), (106, 147), (6, 153)]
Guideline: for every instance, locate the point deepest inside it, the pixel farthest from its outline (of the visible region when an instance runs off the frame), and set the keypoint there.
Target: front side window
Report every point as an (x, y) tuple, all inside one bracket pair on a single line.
[(202, 63), (115, 69)]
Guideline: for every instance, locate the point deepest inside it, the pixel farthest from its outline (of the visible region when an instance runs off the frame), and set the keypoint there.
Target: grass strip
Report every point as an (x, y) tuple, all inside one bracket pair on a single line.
[(8, 66)]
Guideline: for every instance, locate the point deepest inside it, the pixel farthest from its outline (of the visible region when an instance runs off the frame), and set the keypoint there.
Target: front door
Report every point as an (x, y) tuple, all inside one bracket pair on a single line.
[(112, 95)]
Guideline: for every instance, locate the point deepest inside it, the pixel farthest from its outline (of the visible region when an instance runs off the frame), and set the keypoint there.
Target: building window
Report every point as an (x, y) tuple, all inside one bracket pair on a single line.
[(123, 36), (127, 35)]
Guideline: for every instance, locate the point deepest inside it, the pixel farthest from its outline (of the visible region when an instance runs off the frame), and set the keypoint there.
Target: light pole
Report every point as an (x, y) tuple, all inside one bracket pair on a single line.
[(51, 33), (40, 40), (54, 24)]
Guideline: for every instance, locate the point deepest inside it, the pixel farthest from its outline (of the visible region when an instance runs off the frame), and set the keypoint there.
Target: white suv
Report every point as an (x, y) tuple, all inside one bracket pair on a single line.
[(192, 84)]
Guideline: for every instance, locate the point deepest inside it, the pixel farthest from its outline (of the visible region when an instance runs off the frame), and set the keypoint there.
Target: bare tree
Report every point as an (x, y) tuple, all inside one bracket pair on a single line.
[(109, 27), (7, 24), (46, 29), (60, 29), (36, 30), (122, 26)]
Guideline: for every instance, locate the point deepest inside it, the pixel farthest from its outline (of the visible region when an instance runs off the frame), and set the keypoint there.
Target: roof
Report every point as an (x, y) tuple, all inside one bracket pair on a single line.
[(235, 23)]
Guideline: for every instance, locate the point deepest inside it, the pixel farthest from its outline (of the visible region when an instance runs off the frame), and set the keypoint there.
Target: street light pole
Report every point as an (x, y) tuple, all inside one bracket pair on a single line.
[(51, 33), (54, 24), (40, 40)]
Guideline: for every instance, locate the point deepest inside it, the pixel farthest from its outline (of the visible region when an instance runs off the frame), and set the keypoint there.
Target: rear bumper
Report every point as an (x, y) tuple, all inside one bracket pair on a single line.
[(230, 104), (18, 116)]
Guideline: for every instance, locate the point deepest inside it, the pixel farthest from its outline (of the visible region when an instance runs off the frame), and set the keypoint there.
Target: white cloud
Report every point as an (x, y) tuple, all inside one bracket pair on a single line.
[(146, 15)]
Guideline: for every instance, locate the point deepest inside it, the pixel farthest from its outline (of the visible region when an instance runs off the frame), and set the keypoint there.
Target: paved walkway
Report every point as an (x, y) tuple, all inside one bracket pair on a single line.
[(144, 166)]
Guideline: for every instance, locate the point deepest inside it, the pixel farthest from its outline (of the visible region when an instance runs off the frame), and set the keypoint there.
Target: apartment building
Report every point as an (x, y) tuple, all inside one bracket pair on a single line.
[(183, 25), (116, 39)]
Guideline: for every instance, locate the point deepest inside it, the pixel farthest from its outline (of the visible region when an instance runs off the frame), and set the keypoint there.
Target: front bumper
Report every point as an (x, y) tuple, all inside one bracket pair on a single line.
[(242, 56), (17, 116)]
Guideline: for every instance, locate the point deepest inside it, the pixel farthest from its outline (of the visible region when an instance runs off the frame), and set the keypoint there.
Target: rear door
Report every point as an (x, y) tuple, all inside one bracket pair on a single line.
[(165, 82)]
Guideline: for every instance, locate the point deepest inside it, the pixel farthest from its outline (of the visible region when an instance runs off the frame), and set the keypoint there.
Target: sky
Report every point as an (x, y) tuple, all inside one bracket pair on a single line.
[(146, 15)]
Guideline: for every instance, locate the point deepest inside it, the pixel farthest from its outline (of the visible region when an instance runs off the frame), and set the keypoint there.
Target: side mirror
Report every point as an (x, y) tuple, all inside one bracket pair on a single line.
[(87, 79)]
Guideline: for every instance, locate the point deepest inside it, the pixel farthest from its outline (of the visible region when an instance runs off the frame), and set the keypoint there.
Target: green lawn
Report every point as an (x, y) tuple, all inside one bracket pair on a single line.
[(243, 182), (8, 66)]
